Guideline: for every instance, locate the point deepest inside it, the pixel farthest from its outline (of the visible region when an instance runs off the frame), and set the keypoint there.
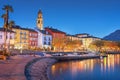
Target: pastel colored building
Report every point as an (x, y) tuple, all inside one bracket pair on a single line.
[(58, 38), (9, 39), (44, 39), (21, 37), (33, 39), (56, 33)]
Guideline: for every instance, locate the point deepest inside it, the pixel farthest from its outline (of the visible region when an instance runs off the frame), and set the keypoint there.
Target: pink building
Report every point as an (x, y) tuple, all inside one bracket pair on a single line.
[(9, 40)]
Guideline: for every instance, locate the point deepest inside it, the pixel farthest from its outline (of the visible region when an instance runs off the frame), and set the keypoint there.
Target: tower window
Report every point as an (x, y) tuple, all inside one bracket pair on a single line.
[(38, 21)]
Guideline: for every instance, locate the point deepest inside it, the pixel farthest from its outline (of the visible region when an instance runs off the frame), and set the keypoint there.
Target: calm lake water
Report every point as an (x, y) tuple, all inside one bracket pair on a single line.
[(91, 69)]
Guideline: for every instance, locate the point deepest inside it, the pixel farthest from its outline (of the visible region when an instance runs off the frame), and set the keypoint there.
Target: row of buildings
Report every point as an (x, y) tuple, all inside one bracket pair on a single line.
[(43, 38)]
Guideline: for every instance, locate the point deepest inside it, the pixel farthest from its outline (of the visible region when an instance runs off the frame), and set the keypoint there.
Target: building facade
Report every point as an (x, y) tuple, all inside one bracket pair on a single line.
[(33, 39), (56, 33), (9, 39), (58, 38), (72, 37), (44, 39), (21, 37)]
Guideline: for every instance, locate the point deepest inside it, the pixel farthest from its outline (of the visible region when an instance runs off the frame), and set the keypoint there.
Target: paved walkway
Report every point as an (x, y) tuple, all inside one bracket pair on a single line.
[(13, 69)]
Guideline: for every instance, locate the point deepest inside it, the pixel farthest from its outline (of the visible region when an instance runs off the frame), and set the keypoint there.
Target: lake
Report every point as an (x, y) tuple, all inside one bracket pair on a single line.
[(91, 69)]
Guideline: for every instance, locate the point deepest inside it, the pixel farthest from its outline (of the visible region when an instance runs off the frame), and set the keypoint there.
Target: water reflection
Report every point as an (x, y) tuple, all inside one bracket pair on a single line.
[(95, 69)]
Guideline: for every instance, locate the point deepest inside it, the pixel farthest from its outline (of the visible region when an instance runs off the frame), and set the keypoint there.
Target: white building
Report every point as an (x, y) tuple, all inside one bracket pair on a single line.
[(44, 39), (9, 38)]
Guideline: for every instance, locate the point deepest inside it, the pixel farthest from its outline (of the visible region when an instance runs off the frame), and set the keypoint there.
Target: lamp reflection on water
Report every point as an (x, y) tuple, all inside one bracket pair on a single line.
[(102, 68)]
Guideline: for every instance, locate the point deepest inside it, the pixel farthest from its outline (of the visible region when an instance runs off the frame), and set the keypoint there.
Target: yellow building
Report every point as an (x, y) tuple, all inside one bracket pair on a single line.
[(87, 40), (21, 37)]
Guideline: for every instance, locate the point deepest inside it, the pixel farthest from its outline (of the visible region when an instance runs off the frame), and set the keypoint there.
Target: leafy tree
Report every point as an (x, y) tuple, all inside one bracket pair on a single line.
[(109, 45), (118, 45), (99, 44), (58, 44), (73, 45)]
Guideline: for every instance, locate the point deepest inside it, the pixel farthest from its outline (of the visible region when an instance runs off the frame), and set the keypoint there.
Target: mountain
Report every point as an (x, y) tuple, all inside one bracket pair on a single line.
[(115, 36)]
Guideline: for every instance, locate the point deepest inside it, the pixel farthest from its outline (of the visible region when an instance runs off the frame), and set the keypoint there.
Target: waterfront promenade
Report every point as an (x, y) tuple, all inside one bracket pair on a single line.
[(13, 69), (39, 68), (18, 66)]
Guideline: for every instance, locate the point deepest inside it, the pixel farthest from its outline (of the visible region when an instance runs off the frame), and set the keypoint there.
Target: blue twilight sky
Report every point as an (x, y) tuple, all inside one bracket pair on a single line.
[(96, 17)]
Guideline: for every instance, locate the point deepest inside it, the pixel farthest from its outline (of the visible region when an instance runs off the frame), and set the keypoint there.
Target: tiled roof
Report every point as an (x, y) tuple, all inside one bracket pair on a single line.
[(90, 37), (55, 30), (32, 30), (44, 32), (18, 27), (2, 29), (71, 35), (83, 34)]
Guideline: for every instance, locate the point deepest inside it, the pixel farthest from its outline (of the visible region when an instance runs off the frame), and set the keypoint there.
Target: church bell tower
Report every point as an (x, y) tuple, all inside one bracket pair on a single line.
[(40, 20)]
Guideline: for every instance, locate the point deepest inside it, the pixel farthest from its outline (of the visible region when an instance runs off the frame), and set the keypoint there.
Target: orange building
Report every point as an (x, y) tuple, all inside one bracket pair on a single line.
[(58, 38)]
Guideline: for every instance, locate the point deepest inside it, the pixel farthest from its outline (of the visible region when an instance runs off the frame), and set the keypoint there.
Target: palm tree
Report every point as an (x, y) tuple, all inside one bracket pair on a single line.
[(4, 17), (11, 24), (7, 8)]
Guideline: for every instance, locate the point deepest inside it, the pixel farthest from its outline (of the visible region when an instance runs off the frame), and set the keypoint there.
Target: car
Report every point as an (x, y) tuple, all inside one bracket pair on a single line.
[(57, 54), (40, 53)]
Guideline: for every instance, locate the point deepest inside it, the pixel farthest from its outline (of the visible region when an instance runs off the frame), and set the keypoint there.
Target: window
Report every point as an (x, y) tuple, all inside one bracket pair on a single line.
[(30, 34), (49, 43), (44, 43), (21, 32), (38, 21), (10, 37), (49, 38), (24, 33), (0, 36), (46, 32), (44, 38), (6, 37)]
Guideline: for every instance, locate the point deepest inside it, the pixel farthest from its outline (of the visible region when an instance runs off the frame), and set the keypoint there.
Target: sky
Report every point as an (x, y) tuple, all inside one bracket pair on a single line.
[(95, 17)]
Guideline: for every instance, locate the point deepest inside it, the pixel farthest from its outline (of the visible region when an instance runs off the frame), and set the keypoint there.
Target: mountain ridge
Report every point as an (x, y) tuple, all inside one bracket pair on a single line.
[(114, 36)]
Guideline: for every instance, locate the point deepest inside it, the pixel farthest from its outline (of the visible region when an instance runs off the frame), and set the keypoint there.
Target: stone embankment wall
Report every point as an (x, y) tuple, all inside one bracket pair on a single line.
[(37, 69)]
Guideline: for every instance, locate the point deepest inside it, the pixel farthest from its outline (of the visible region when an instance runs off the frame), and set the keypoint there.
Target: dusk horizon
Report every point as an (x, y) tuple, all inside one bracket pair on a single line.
[(60, 39), (95, 17)]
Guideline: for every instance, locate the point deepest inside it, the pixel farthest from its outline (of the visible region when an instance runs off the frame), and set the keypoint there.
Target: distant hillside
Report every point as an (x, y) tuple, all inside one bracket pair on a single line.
[(115, 36)]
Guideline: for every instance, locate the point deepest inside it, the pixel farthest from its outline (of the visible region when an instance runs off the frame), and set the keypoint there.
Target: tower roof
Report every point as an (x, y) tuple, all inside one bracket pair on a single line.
[(39, 12)]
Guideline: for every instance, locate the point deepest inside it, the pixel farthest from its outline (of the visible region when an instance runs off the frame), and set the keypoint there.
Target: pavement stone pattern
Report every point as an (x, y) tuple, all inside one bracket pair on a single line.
[(13, 69)]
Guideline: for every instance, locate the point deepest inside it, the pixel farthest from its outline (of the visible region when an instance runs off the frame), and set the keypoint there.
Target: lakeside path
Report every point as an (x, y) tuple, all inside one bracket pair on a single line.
[(13, 69), (39, 68)]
